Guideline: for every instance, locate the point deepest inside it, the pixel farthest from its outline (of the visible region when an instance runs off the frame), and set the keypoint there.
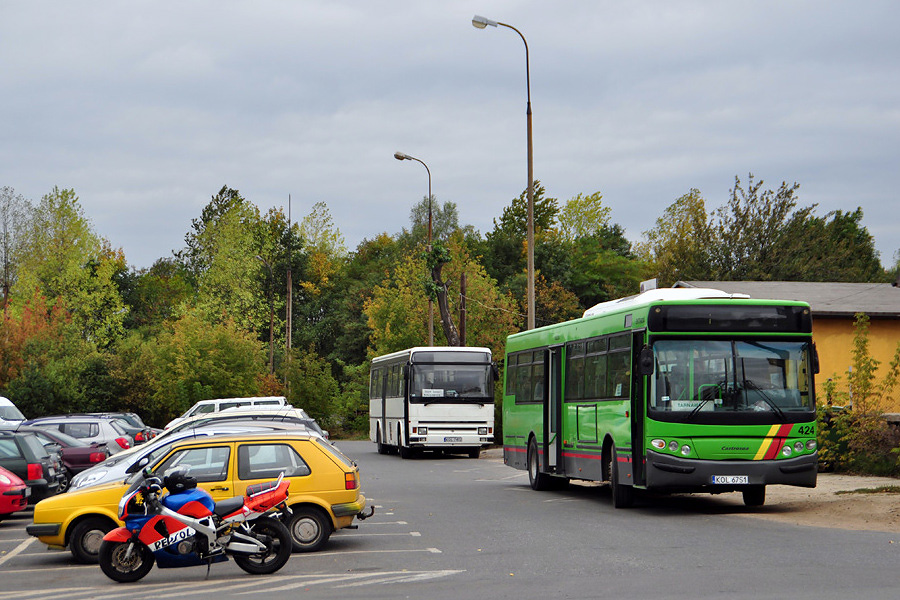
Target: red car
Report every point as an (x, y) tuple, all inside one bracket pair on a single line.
[(13, 493)]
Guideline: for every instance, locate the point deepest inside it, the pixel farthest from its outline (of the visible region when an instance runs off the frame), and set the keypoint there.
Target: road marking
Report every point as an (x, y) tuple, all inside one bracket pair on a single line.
[(351, 579), (312, 555), (55, 568), (383, 523), (412, 533), (16, 550)]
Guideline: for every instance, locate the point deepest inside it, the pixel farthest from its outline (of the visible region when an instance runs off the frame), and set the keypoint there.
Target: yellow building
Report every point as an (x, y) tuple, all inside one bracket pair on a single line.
[(834, 308)]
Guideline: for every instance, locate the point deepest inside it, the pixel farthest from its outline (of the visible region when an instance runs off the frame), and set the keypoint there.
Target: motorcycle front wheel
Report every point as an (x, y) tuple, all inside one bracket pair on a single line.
[(119, 565), (277, 539)]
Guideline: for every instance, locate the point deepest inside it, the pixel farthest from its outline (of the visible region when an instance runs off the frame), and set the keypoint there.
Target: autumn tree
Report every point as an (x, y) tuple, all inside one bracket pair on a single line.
[(13, 218), (680, 246)]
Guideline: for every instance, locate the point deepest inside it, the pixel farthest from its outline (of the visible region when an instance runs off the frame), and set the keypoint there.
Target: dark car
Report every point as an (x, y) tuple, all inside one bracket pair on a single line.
[(26, 456), (75, 455)]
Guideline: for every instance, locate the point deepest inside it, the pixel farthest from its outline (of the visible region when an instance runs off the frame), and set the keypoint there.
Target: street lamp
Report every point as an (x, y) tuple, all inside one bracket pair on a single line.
[(480, 23), (402, 156), (271, 315)]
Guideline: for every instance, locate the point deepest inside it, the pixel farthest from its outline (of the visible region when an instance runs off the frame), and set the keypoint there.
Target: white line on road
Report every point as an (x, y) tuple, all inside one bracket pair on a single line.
[(16, 550)]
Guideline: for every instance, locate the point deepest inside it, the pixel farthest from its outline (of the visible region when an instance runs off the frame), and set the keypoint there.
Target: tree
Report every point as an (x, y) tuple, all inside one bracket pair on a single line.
[(312, 386), (583, 216), (196, 360), (680, 247), (436, 290), (13, 218)]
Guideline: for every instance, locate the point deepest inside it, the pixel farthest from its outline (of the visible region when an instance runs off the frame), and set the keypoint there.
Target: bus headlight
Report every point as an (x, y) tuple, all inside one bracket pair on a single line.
[(423, 431), (811, 445), (482, 431), (658, 444), (673, 446), (786, 451), (798, 446), (685, 450)]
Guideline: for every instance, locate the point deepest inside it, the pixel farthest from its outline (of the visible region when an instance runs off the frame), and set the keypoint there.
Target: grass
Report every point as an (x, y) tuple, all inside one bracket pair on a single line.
[(882, 489)]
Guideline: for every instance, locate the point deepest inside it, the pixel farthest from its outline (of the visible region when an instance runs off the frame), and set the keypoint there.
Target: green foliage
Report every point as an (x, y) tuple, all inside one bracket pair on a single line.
[(197, 360), (853, 434), (583, 216), (762, 235), (311, 386)]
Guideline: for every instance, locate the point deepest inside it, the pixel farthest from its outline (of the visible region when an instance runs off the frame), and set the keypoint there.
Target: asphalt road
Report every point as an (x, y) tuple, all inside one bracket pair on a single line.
[(453, 527)]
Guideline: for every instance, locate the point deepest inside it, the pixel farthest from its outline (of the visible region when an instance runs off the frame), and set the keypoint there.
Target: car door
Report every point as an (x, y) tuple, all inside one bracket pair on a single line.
[(262, 461), (211, 465)]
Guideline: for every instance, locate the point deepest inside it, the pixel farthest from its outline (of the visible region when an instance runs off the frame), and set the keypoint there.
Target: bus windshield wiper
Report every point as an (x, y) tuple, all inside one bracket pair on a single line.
[(696, 409), (750, 384)]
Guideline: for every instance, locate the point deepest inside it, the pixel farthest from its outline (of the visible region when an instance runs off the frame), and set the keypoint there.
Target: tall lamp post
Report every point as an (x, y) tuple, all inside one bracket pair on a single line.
[(480, 23), (271, 315), (402, 156)]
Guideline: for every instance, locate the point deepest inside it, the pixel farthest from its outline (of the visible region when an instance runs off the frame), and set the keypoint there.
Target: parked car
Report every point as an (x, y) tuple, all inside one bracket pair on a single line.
[(324, 492), (210, 406), (116, 468), (10, 416), (140, 431), (26, 456), (89, 428), (13, 493), (74, 454)]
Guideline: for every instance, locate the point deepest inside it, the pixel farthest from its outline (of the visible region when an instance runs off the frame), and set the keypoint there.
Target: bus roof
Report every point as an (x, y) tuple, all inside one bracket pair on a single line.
[(658, 295), (411, 351)]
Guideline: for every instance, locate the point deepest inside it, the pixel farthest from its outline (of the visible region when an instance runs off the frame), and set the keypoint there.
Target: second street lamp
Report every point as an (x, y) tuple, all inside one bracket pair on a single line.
[(402, 156), (480, 23)]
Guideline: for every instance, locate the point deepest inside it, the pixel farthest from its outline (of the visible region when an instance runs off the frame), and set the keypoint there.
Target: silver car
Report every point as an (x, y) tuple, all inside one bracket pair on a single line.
[(103, 430)]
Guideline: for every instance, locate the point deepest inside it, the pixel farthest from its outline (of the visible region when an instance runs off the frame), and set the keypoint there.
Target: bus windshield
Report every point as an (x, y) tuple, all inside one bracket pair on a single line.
[(696, 377), (451, 383)]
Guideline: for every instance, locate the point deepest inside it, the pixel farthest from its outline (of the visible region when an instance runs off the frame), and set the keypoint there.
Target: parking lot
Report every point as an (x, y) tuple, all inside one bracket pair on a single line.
[(394, 547)]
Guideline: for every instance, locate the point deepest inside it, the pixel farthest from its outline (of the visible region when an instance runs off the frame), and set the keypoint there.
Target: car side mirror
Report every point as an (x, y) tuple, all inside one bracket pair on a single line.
[(138, 465), (645, 361)]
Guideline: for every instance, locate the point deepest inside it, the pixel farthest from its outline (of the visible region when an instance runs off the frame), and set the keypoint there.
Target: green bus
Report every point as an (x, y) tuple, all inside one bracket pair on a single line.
[(672, 390)]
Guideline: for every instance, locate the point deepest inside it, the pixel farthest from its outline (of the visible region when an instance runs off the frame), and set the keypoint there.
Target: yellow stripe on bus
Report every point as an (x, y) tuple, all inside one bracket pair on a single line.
[(770, 437)]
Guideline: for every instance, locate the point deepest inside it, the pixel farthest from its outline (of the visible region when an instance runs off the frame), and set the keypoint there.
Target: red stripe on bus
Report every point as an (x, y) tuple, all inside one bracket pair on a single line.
[(778, 442)]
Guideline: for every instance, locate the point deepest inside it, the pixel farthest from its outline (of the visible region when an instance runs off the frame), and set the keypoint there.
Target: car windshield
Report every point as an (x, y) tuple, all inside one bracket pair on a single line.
[(11, 413), (436, 383), (700, 376), (63, 439)]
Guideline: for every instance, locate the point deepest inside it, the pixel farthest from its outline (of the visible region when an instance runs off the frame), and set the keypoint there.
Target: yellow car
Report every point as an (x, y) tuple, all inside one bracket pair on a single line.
[(324, 495)]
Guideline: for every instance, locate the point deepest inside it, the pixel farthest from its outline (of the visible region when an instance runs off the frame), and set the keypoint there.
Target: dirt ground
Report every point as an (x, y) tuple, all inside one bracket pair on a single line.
[(823, 507)]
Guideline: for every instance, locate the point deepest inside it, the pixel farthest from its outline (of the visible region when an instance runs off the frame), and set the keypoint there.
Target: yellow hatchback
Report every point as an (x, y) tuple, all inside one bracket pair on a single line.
[(324, 495)]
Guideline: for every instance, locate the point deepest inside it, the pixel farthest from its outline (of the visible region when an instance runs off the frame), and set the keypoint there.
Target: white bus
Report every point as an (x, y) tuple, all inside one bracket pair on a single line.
[(435, 398)]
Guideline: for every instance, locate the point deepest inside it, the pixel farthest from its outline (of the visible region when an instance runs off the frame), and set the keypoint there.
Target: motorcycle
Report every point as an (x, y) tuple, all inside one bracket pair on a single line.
[(187, 528)]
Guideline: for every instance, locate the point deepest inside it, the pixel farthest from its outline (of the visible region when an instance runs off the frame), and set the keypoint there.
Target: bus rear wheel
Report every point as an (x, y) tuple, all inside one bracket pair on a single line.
[(382, 449), (755, 495)]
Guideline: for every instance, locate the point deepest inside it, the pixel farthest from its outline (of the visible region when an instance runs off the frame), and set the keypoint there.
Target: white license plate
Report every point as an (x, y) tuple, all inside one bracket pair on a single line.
[(453, 439), (730, 479)]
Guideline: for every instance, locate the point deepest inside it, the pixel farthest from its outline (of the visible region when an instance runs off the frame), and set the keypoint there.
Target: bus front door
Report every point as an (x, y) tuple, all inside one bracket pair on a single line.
[(553, 410)]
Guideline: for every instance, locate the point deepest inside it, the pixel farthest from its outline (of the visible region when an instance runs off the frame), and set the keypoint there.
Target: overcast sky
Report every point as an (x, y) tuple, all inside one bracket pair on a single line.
[(146, 109)]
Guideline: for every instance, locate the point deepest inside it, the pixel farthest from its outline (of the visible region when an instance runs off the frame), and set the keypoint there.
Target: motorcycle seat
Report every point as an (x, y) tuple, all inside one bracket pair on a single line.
[(259, 488), (228, 506)]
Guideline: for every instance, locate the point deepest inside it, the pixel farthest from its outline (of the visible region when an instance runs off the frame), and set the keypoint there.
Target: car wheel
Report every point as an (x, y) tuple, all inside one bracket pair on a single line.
[(310, 529), (87, 535)]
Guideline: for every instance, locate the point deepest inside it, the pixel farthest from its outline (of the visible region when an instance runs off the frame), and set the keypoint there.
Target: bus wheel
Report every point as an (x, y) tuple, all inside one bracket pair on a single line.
[(474, 452), (539, 481), (382, 449), (755, 495), (622, 495), (406, 452)]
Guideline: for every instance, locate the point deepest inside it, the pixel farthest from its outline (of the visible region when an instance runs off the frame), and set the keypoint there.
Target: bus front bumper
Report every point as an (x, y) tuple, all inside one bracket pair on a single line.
[(684, 474)]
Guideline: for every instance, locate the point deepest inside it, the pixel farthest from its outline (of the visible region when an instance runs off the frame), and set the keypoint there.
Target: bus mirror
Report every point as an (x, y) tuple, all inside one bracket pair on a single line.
[(495, 371), (645, 361), (815, 360)]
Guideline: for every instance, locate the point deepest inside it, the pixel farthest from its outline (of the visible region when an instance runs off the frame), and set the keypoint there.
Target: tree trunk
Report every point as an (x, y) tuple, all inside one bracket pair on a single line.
[(450, 330)]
